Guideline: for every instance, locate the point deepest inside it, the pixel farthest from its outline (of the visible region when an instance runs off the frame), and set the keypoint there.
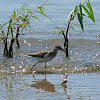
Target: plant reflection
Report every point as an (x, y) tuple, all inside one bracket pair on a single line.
[(64, 85)]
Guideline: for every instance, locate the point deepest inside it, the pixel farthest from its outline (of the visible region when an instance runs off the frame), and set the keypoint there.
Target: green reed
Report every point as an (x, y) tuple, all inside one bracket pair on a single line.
[(19, 21), (78, 14)]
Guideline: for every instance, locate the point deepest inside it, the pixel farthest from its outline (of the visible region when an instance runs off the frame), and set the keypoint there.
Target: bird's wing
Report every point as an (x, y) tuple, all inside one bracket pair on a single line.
[(40, 54)]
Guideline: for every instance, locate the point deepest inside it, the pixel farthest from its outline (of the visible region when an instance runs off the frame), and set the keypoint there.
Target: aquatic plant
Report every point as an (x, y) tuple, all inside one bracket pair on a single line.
[(19, 21), (84, 9)]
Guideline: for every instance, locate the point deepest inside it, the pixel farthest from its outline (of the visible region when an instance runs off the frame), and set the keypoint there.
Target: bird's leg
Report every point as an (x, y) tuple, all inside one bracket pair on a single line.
[(45, 69), (45, 65), (34, 65)]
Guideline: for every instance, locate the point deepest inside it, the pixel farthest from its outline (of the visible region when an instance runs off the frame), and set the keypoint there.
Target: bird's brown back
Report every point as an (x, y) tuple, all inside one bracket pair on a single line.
[(40, 54)]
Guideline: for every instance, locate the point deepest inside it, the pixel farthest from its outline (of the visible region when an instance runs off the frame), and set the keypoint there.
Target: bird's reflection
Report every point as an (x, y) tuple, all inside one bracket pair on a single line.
[(44, 85)]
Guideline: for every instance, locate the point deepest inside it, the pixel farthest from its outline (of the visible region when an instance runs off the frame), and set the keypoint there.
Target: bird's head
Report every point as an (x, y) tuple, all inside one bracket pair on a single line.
[(58, 47)]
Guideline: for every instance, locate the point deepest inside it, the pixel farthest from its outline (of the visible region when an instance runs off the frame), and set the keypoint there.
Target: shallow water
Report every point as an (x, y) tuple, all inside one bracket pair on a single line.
[(84, 56), (84, 47), (25, 87)]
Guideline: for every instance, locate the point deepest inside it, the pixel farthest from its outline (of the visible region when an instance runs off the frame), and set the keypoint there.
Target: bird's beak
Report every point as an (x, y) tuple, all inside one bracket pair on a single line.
[(62, 49)]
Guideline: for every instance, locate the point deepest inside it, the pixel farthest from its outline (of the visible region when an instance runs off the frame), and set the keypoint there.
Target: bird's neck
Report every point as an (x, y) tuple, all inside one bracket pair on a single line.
[(55, 50)]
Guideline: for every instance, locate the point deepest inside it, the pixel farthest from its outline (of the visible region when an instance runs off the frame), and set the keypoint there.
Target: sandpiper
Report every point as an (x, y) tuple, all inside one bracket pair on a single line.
[(46, 55)]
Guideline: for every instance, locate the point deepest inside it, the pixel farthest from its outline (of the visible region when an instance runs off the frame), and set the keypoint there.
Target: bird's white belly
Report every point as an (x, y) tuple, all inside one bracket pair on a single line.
[(44, 59)]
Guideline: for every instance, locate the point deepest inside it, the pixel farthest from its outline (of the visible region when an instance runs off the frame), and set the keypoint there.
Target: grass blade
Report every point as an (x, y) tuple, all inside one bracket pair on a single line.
[(91, 11)]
